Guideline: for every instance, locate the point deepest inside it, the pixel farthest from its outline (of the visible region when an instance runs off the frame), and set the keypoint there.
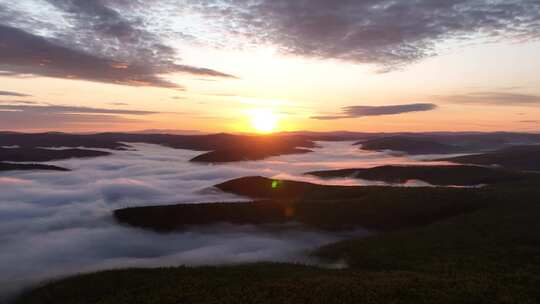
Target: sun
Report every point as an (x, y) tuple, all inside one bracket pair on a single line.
[(264, 120)]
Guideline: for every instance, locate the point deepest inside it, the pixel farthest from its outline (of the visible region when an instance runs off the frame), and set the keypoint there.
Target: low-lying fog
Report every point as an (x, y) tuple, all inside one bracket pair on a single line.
[(60, 223)]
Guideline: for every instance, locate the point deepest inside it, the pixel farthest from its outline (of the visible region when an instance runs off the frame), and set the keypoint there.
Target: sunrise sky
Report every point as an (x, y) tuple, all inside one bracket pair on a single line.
[(275, 65)]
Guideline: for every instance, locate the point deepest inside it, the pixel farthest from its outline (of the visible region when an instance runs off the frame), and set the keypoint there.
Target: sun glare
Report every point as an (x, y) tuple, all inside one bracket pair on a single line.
[(263, 120)]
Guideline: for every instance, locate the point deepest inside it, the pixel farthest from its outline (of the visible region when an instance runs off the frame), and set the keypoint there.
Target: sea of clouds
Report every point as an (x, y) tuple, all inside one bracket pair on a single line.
[(54, 224)]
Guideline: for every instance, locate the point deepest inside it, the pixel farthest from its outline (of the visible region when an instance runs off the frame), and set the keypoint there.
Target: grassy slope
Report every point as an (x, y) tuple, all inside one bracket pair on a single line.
[(381, 208), (278, 283), (246, 153), (12, 167), (516, 158), (43, 155), (499, 245), (491, 255), (410, 145), (443, 175), (506, 231)]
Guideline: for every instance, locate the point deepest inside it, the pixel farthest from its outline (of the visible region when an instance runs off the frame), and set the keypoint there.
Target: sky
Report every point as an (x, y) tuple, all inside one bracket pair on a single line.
[(269, 65)]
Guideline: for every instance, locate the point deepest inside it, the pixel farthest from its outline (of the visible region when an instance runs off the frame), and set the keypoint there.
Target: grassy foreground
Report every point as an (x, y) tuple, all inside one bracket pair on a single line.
[(281, 283), (490, 255)]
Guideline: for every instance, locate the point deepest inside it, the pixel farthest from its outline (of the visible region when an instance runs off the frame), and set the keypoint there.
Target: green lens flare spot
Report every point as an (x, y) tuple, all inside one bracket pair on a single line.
[(275, 184)]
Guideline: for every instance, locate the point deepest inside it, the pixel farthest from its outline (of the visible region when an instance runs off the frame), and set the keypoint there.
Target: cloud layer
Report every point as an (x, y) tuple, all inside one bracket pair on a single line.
[(30, 115), (497, 98), (60, 223), (22, 53), (95, 43), (133, 43), (362, 111), (13, 94), (388, 33)]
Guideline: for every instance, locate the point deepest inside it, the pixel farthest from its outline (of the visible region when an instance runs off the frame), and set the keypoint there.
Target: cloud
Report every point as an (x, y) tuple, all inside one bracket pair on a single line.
[(65, 217), (388, 33), (492, 98), (98, 24), (71, 109), (24, 53), (99, 45), (14, 94), (362, 111), (530, 121), (101, 19), (25, 121), (28, 116), (19, 102)]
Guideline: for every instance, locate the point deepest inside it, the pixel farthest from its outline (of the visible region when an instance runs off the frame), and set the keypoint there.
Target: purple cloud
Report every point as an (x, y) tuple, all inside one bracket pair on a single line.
[(361, 111)]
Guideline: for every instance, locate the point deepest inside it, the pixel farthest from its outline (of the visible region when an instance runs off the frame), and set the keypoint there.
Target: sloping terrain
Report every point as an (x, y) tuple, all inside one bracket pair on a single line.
[(43, 155), (516, 158), (223, 147), (443, 175), (490, 255), (246, 153), (409, 145), (13, 167), (447, 142)]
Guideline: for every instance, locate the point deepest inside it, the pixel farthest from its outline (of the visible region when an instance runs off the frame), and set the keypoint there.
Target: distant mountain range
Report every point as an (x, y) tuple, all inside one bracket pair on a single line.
[(446, 143), (223, 147)]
